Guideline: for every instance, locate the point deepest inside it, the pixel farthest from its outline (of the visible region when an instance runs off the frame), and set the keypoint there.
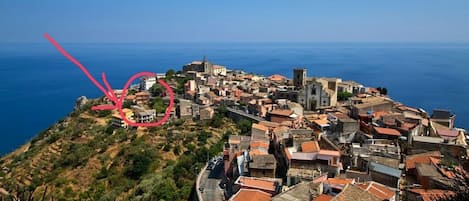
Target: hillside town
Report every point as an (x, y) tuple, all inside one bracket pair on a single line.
[(312, 138)]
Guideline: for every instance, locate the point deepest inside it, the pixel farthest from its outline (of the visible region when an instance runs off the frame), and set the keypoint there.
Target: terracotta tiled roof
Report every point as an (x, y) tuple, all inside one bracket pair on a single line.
[(257, 183), (257, 152), (379, 114), (329, 152), (130, 97), (412, 160), (447, 132), (408, 125), (281, 130), (310, 146), (377, 190), (353, 193), (387, 131), (321, 122), (260, 127), (143, 93), (339, 181), (281, 112), (431, 194), (447, 173), (250, 195), (435, 161), (323, 197), (277, 77), (269, 124), (257, 144)]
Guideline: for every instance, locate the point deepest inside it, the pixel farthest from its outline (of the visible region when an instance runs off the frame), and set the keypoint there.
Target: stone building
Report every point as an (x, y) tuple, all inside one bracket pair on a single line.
[(319, 92), (299, 77)]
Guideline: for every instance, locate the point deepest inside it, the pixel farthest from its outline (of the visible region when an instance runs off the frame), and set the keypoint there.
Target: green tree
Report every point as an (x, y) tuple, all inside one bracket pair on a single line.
[(131, 92), (139, 164), (158, 105), (382, 90), (177, 149), (103, 113), (181, 81), (222, 110), (217, 121), (342, 96), (156, 90), (167, 190), (203, 137), (169, 74), (461, 189), (109, 130), (245, 126), (127, 104)]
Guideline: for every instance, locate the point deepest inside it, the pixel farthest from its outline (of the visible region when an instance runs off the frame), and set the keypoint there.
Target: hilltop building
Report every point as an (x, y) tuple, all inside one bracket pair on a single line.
[(147, 82), (205, 67)]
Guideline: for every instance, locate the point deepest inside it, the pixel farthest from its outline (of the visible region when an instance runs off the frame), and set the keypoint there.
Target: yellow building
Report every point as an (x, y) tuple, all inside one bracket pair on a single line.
[(117, 120)]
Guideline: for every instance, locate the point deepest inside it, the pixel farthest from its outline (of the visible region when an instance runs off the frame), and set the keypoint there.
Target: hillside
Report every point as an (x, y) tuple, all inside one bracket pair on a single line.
[(83, 157)]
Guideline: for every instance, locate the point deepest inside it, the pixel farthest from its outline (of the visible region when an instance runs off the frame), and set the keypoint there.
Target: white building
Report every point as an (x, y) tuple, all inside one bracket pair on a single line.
[(160, 75), (201, 89), (191, 85), (351, 87), (147, 82), (219, 70), (146, 116)]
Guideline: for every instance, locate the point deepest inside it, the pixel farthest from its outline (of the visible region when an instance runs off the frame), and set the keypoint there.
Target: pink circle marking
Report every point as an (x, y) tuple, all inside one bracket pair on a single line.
[(109, 93)]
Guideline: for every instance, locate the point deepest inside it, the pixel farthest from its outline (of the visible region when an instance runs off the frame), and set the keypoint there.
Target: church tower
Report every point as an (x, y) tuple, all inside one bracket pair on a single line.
[(299, 77)]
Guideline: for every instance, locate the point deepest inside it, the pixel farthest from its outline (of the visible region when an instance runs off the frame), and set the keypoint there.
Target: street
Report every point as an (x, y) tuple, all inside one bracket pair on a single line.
[(209, 184)]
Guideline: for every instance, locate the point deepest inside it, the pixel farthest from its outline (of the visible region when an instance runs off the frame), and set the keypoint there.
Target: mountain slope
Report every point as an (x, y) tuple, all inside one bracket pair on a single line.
[(82, 157)]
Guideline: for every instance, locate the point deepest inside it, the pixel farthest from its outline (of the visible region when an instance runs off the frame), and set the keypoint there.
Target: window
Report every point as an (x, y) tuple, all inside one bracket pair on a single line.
[(313, 90)]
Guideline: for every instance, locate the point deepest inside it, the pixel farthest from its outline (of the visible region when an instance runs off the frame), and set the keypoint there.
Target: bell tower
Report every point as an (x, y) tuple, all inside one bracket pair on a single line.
[(299, 77)]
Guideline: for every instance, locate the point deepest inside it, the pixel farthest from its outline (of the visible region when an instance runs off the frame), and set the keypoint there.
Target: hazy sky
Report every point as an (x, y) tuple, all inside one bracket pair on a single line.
[(235, 21)]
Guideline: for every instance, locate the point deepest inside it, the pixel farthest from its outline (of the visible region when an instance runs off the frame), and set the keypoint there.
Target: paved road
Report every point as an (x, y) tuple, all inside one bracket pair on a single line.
[(210, 183)]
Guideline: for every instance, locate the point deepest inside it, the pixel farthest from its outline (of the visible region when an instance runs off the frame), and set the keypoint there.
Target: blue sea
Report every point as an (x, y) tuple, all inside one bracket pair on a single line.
[(39, 86)]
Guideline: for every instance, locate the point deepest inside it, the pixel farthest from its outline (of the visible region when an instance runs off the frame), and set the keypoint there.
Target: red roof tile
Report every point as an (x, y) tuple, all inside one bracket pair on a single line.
[(251, 195), (447, 132), (323, 197), (282, 112), (387, 131), (277, 77), (260, 127), (379, 114), (310, 146), (412, 160), (378, 190), (431, 194), (257, 144), (339, 181), (257, 183), (329, 153)]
